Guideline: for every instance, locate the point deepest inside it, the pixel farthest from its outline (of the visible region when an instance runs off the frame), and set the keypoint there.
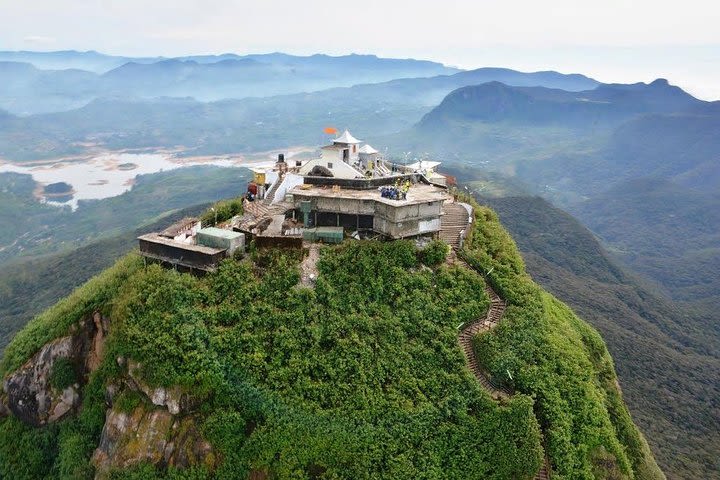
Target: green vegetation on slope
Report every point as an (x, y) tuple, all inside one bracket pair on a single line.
[(360, 377), (29, 286), (666, 231), (542, 349), (95, 295), (672, 391)]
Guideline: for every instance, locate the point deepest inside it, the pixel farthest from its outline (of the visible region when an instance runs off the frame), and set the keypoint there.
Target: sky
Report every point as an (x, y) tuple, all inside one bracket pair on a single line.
[(610, 40)]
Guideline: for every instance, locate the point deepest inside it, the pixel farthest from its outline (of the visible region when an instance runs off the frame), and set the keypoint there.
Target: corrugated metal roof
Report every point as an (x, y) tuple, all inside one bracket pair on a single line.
[(219, 232), (179, 226)]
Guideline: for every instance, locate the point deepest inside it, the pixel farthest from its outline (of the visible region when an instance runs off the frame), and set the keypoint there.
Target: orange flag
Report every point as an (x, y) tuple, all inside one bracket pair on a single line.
[(330, 130)]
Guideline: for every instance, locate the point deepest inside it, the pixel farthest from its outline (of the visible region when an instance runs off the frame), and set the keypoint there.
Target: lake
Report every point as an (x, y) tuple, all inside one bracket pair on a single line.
[(111, 174)]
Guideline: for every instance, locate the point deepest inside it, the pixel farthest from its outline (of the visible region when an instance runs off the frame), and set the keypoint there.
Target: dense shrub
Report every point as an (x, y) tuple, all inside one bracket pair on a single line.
[(147, 471), (434, 253), (127, 401), (559, 360), (26, 453), (96, 294), (222, 211), (63, 374), (359, 377)]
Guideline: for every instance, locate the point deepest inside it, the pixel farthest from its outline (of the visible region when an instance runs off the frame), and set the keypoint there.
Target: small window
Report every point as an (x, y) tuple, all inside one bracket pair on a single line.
[(298, 163), (329, 164)]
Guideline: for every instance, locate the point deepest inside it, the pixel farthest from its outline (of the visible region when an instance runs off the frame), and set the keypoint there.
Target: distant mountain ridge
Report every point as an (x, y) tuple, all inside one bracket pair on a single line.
[(496, 101), (129, 121), (37, 82), (100, 63)]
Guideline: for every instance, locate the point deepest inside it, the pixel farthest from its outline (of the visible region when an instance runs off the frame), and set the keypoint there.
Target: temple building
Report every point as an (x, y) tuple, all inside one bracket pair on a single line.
[(350, 189), (350, 186)]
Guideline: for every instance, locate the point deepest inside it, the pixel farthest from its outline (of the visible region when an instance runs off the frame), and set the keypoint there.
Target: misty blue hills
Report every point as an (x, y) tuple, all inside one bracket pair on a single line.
[(638, 165), (100, 63), (54, 81), (38, 82)]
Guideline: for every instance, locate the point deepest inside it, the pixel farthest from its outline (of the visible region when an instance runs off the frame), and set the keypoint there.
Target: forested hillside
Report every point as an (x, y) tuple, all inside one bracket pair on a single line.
[(360, 376), (666, 362), (29, 286), (635, 163)]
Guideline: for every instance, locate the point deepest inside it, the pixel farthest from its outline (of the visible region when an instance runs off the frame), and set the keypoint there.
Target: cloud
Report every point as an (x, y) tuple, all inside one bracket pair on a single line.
[(39, 40)]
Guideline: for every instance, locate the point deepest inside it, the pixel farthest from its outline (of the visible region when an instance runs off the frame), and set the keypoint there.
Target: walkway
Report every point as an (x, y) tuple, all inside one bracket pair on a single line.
[(453, 223), (451, 226)]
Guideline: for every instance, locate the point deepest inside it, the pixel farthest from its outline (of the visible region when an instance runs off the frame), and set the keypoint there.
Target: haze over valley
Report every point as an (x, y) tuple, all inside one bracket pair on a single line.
[(588, 184)]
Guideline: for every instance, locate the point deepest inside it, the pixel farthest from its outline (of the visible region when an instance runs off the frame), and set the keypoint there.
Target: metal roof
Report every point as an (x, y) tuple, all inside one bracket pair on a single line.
[(180, 226), (425, 164), (219, 232)]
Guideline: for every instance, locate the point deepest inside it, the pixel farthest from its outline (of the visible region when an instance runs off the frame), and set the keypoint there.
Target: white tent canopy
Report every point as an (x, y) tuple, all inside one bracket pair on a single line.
[(346, 138), (367, 149), (423, 165)]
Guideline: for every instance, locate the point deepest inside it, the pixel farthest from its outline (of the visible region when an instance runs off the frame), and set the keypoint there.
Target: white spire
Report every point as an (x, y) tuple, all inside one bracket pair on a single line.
[(346, 138)]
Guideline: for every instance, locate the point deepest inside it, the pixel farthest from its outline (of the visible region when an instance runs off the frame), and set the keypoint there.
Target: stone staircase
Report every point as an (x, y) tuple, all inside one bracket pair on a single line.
[(452, 223), (270, 194), (544, 472), (256, 209), (491, 320)]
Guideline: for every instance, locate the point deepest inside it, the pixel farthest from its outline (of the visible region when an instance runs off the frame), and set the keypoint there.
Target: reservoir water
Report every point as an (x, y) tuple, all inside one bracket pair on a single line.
[(109, 174)]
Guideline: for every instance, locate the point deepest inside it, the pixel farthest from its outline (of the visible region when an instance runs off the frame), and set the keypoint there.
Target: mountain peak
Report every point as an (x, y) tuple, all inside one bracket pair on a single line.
[(660, 82)]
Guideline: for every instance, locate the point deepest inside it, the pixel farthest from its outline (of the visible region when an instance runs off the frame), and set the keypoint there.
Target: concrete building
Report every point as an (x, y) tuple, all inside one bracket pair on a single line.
[(352, 186), (187, 247), (183, 256), (355, 209), (349, 189)]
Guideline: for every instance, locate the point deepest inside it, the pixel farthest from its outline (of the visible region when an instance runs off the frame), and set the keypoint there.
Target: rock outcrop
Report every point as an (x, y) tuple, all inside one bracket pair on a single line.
[(29, 393), (149, 434), (172, 398), (160, 430)]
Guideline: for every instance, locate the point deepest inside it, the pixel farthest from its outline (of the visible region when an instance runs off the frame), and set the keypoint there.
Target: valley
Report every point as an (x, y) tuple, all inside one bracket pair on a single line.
[(609, 190), (33, 228), (110, 174)]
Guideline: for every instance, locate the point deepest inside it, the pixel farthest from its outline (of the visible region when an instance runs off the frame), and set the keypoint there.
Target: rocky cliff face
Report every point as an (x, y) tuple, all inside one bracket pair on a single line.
[(160, 429), (30, 393), (149, 434), (173, 399)]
